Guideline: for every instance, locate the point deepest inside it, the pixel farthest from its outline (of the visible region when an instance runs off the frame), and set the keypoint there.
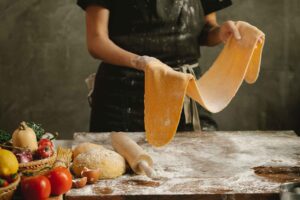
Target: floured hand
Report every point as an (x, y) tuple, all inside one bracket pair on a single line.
[(141, 62), (227, 29)]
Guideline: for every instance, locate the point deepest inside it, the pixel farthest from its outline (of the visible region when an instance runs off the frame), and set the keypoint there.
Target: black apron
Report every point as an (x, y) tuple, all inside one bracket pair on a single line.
[(169, 30)]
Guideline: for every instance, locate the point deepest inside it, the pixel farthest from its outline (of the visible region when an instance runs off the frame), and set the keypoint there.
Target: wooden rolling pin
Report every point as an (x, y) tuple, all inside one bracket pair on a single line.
[(139, 161)]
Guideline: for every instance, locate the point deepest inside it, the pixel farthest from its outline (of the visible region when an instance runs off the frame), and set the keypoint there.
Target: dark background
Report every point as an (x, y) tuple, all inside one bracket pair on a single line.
[(44, 61)]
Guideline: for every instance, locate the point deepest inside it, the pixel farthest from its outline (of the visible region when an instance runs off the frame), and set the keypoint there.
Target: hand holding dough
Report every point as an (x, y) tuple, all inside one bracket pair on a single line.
[(165, 88)]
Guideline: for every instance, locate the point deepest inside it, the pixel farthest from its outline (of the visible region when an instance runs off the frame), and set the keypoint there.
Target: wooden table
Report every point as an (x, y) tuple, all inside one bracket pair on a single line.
[(212, 165)]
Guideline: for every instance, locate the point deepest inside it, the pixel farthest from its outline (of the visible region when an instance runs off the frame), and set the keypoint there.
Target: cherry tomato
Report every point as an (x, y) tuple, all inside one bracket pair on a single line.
[(45, 151), (3, 182), (60, 179), (45, 142), (35, 188), (12, 178)]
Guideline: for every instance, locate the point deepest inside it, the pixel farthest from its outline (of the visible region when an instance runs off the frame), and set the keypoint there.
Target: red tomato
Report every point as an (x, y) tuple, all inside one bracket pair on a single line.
[(35, 188), (45, 151), (60, 179), (45, 142)]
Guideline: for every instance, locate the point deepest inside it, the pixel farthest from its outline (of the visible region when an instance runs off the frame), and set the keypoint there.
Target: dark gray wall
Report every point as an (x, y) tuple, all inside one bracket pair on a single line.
[(43, 64)]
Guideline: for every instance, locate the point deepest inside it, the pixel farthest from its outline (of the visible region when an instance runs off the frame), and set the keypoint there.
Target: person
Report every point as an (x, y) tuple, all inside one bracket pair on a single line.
[(128, 34)]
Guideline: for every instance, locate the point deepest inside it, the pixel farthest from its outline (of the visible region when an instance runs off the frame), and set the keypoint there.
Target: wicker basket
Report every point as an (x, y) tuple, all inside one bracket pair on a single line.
[(6, 193), (37, 165)]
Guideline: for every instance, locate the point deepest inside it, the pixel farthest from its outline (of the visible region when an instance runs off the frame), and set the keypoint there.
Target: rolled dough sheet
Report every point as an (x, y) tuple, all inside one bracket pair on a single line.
[(165, 88)]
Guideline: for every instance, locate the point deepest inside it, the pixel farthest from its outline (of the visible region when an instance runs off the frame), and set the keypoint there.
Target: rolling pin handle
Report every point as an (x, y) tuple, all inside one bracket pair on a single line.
[(143, 165)]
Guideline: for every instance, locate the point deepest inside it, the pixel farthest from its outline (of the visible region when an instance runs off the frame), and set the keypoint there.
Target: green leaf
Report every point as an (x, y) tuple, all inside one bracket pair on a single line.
[(4, 136), (37, 128)]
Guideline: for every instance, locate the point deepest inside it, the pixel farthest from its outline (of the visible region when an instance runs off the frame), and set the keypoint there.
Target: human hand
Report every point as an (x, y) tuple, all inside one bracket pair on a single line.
[(227, 29), (141, 62)]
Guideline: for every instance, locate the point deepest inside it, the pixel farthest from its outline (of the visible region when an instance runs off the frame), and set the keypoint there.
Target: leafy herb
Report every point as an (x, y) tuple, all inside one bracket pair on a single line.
[(37, 128), (4, 136)]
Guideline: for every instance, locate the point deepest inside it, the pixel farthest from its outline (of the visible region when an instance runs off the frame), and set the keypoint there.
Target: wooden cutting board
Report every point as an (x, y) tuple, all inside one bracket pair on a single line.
[(210, 165)]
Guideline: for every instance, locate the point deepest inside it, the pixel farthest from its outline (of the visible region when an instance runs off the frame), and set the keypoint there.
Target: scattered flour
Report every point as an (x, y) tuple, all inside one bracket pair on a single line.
[(218, 162)]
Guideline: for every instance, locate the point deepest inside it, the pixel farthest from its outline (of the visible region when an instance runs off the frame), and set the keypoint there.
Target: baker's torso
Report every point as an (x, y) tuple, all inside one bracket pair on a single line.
[(166, 29)]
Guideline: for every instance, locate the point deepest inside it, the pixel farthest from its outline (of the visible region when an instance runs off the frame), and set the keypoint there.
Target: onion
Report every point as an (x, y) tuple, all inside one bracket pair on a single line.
[(24, 156)]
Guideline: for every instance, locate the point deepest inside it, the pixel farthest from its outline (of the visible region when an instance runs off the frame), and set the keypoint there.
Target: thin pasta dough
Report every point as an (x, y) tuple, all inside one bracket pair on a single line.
[(165, 88)]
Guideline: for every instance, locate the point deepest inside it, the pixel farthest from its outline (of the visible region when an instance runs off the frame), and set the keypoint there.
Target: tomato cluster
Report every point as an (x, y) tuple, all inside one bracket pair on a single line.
[(56, 182)]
